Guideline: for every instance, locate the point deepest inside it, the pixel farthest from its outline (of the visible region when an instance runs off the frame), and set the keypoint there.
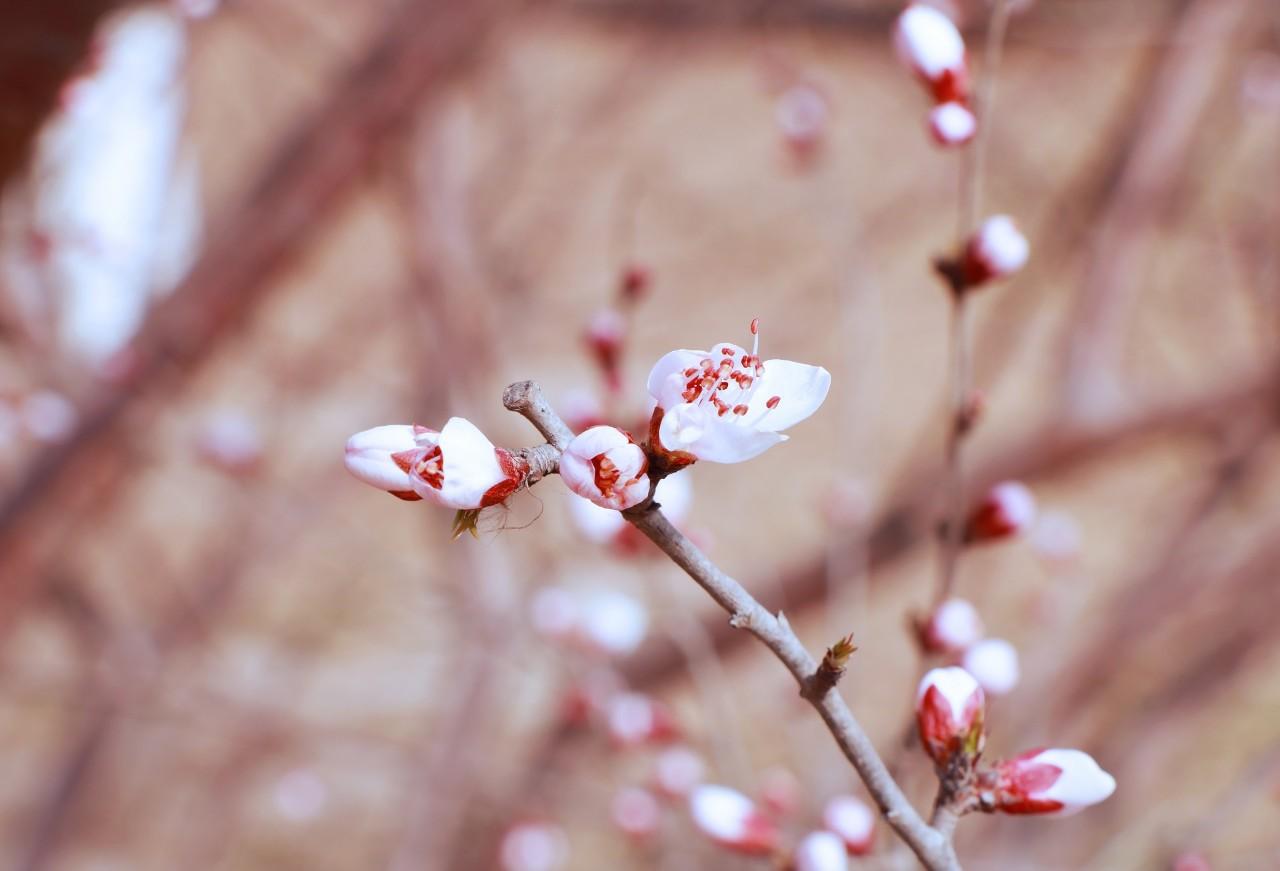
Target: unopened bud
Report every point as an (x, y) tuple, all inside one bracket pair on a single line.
[(1008, 509), (605, 466), (1055, 782), (636, 812), (635, 719), (732, 820), (952, 124), (929, 44), (997, 250), (677, 771), (954, 626), (950, 708), (820, 851), (853, 821), (994, 664)]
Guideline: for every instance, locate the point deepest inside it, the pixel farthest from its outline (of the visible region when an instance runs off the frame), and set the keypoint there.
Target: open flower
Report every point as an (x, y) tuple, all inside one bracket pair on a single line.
[(930, 45), (950, 708), (1056, 782), (727, 405), (732, 820), (456, 467), (605, 466)]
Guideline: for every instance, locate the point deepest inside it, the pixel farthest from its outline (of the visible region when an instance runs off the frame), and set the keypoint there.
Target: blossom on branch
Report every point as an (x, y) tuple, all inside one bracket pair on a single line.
[(605, 466), (727, 405), (952, 124), (952, 627), (1008, 509), (950, 708), (997, 250), (456, 467), (993, 662), (854, 822), (929, 44), (1055, 782), (732, 820), (820, 851)]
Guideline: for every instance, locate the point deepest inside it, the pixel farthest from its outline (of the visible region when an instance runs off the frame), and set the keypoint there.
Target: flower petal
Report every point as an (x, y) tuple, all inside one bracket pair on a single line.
[(802, 389), (471, 465), (666, 378)]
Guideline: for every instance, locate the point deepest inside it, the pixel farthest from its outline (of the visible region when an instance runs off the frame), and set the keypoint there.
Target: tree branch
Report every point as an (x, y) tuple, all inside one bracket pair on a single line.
[(933, 848)]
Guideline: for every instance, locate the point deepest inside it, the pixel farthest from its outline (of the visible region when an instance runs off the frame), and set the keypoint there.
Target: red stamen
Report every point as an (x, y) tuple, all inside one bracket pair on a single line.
[(773, 402)]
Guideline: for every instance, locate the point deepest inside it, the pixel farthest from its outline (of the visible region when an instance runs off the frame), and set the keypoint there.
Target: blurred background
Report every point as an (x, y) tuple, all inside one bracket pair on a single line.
[(232, 235)]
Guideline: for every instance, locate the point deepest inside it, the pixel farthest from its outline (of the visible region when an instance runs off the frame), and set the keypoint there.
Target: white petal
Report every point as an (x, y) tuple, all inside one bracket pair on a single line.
[(666, 378), (1082, 783), (821, 851), (727, 441), (928, 41), (597, 440), (852, 820), (994, 663), (721, 812), (471, 466), (801, 389), (598, 524), (368, 456), (675, 494), (682, 426), (954, 684)]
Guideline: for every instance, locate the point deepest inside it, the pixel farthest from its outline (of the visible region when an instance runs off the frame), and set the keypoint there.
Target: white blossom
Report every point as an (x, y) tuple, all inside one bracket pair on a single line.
[(604, 466)]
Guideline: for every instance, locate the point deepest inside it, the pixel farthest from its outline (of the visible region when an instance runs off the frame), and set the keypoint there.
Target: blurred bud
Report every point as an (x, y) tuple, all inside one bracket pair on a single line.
[(554, 613), (929, 44), (1054, 782), (1191, 862), (48, 416), (732, 820), (533, 846), (820, 851), (606, 467), (300, 795), (196, 8), (612, 622), (636, 719), (997, 250), (853, 821), (605, 336), (1009, 509), (779, 790), (634, 283), (950, 706), (230, 440), (1056, 536), (993, 662), (636, 812), (802, 114), (369, 458), (953, 627), (677, 771), (952, 124)]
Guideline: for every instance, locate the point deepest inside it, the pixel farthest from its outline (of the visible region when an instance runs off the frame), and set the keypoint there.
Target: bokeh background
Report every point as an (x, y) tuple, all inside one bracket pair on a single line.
[(234, 235)]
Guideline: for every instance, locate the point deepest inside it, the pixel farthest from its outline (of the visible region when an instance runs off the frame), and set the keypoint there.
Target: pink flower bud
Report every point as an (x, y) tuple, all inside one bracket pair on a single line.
[(997, 250), (606, 467), (821, 851), (953, 627), (231, 441), (993, 662), (634, 283), (635, 719), (952, 124), (732, 820), (802, 113), (612, 623), (1008, 510), (853, 821), (677, 771), (950, 706), (1056, 537), (636, 812), (533, 846), (606, 333), (779, 790), (369, 458), (1055, 782), (1191, 862), (929, 44)]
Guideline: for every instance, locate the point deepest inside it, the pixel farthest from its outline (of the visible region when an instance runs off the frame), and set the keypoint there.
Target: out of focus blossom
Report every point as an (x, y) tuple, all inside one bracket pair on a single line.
[(853, 821), (732, 820), (821, 851), (300, 795), (603, 620), (456, 467), (636, 719), (197, 8), (604, 466), (533, 846), (636, 812), (1055, 782), (606, 526), (950, 708), (581, 409), (1008, 509), (230, 440), (1191, 862), (1056, 536), (953, 626), (780, 790), (929, 44), (677, 770), (605, 336), (997, 250), (48, 416), (994, 664), (634, 283), (802, 114), (727, 405), (952, 124), (109, 215)]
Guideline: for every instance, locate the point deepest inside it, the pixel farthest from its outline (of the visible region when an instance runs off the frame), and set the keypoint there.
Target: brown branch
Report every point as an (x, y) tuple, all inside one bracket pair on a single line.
[(932, 848)]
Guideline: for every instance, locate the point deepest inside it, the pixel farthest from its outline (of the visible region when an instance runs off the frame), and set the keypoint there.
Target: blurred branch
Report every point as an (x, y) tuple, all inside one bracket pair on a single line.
[(424, 42), (932, 847)]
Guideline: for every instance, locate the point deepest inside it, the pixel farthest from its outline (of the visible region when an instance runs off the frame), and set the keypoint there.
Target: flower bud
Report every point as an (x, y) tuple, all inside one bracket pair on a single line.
[(929, 44), (802, 114), (1191, 862), (636, 812), (369, 458), (952, 124), (997, 250), (1008, 510), (820, 851), (636, 719), (993, 662), (954, 626), (677, 771), (950, 706), (606, 467), (732, 820), (533, 846), (1056, 537), (779, 790), (1055, 782), (634, 283), (853, 821), (606, 333)]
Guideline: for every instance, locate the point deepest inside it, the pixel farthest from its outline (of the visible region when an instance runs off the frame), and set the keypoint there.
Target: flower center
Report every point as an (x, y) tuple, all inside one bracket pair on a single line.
[(724, 381)]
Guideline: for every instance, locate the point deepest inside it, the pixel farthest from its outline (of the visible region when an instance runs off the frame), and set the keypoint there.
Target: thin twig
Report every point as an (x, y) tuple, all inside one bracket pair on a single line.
[(932, 847)]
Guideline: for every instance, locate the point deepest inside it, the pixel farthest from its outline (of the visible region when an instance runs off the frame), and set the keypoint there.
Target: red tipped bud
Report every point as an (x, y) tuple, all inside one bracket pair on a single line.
[(952, 124), (732, 820), (635, 719), (929, 44), (1008, 510), (1056, 782), (953, 627), (820, 851), (950, 707), (853, 821), (994, 664), (636, 812), (997, 250)]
